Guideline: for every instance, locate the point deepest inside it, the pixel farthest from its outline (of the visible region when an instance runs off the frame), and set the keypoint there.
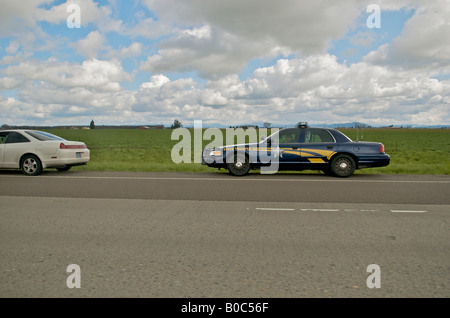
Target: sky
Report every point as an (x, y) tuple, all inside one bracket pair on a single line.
[(233, 62)]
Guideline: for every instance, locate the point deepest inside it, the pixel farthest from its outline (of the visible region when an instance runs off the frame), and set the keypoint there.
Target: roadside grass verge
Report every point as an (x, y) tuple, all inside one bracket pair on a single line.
[(412, 151)]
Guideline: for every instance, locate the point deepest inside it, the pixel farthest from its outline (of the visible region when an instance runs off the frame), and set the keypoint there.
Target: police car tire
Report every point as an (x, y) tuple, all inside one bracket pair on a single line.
[(239, 171), (342, 166)]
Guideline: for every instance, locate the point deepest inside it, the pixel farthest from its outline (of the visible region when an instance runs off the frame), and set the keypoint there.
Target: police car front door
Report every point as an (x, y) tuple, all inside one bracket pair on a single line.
[(288, 148), (318, 145)]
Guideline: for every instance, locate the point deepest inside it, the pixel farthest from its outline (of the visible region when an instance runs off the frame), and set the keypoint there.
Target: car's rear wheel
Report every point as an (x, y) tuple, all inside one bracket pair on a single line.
[(342, 166), (31, 165), (65, 168), (239, 166)]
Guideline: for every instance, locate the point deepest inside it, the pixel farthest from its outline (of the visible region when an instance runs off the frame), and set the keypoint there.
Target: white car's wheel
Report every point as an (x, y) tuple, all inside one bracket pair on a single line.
[(31, 165)]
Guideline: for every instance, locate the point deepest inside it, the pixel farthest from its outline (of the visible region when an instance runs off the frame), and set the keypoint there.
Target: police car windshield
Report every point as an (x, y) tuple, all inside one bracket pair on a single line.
[(272, 137)]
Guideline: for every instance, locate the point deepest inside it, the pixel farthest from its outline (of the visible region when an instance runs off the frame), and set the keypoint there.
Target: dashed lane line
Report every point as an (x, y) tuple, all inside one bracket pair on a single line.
[(407, 211), (337, 210)]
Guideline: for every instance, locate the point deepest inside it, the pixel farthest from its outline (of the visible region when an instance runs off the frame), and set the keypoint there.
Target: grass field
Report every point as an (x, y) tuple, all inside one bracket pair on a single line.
[(412, 151)]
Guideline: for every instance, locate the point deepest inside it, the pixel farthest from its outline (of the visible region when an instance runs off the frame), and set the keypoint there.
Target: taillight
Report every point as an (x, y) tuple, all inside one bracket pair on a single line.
[(64, 146), (381, 148)]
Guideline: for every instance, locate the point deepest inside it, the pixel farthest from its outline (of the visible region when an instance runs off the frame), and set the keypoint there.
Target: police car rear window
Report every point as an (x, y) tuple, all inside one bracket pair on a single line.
[(318, 135), (43, 136)]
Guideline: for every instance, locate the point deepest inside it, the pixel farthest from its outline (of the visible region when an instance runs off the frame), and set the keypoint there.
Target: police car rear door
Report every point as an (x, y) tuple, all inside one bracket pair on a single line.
[(317, 146)]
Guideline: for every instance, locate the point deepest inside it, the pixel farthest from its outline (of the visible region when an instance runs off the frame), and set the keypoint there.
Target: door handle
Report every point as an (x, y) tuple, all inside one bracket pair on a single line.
[(330, 147)]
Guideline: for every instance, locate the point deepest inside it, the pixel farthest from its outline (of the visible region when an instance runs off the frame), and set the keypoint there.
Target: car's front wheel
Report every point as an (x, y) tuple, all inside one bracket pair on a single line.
[(31, 165), (342, 166), (239, 166)]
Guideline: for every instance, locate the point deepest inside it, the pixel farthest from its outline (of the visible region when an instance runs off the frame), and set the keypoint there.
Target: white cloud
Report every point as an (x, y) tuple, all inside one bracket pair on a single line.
[(135, 49), (402, 82), (423, 43), (233, 32), (16, 16), (157, 81), (309, 24), (147, 28), (201, 33), (90, 13), (165, 97), (13, 47), (90, 45), (95, 74), (314, 88), (213, 98)]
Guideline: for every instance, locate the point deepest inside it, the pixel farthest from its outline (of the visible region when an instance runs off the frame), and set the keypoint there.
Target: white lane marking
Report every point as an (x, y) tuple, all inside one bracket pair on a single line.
[(359, 210), (407, 211), (274, 209), (232, 179), (337, 210), (320, 210)]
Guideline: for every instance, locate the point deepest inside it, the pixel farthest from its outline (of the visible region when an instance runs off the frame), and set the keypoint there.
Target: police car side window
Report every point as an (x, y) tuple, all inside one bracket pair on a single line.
[(289, 136), (317, 135)]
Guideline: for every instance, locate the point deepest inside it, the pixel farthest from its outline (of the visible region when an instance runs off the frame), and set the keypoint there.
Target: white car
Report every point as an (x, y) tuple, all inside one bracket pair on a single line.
[(33, 150)]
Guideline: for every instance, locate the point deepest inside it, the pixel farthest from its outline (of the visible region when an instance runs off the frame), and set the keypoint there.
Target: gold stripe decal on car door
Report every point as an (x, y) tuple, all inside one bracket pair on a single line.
[(316, 160)]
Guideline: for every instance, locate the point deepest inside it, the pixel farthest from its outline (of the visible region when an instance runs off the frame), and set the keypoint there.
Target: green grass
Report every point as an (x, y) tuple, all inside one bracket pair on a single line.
[(412, 151)]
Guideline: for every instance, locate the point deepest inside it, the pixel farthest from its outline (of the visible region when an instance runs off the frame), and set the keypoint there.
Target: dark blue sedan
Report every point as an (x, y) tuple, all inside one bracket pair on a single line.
[(299, 148)]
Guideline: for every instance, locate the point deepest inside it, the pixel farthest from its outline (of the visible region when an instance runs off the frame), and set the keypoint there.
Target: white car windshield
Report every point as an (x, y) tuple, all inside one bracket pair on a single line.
[(43, 136)]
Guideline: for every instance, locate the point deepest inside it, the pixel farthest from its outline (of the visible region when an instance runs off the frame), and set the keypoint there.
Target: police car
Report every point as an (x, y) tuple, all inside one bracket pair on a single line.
[(299, 148)]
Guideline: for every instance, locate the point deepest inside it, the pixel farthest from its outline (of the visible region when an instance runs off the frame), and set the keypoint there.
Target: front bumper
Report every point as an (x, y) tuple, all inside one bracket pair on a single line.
[(212, 160)]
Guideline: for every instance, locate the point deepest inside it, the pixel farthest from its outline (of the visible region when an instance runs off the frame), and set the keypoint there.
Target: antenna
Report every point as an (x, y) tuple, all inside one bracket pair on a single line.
[(356, 124), (357, 131)]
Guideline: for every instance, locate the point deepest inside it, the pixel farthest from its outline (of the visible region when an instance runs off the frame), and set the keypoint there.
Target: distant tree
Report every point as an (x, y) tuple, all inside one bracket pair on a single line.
[(176, 124), (267, 125), (92, 125)]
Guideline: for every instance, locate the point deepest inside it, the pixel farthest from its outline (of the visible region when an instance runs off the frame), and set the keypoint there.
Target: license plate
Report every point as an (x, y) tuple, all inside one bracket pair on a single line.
[(78, 154)]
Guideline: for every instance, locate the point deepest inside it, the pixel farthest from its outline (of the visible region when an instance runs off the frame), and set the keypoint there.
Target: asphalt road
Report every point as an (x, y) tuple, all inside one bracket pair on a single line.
[(214, 235)]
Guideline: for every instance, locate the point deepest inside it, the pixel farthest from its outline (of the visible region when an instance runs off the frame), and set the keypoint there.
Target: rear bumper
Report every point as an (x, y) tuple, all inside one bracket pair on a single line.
[(381, 160), (64, 162), (67, 159)]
